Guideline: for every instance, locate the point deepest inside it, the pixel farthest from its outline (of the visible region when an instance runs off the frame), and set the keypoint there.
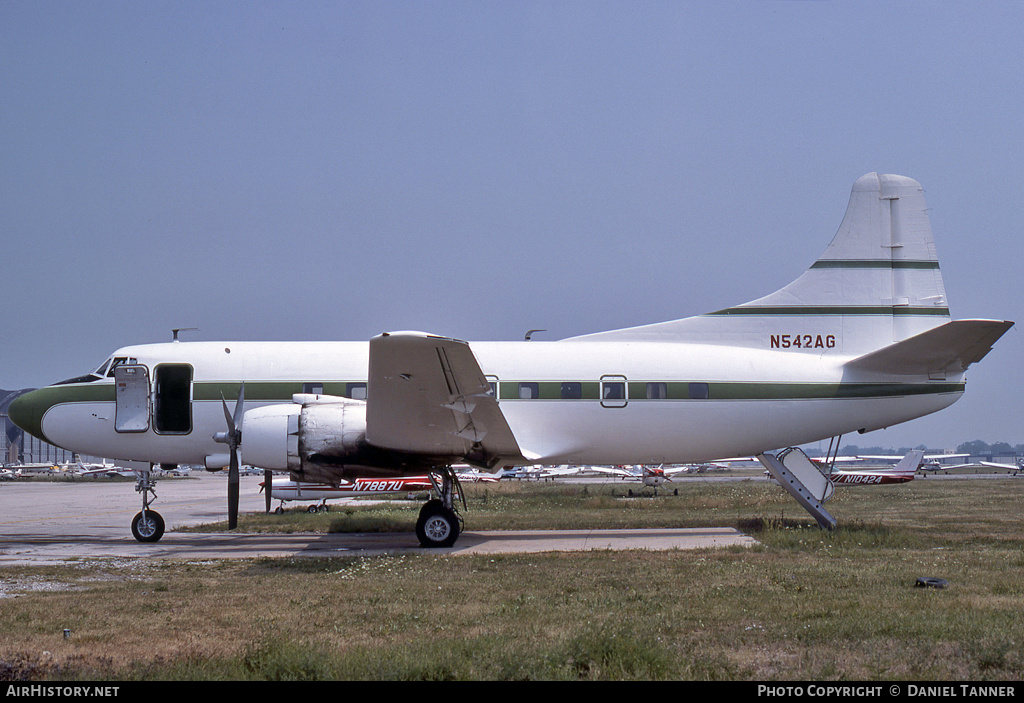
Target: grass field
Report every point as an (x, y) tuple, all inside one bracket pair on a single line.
[(805, 604)]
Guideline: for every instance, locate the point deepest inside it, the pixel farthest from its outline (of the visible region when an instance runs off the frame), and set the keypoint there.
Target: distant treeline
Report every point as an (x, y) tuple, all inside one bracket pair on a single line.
[(975, 447)]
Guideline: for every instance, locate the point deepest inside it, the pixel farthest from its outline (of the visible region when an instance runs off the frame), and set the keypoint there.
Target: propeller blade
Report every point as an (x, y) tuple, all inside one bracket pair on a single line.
[(233, 490), (233, 438), (227, 416), (239, 409), (268, 480)]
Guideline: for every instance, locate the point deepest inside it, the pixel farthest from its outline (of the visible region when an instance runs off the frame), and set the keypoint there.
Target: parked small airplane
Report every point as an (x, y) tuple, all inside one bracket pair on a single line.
[(860, 341), (650, 476), (539, 473), (287, 490), (929, 462), (902, 472), (77, 467), (36, 469), (1016, 468), (468, 475)]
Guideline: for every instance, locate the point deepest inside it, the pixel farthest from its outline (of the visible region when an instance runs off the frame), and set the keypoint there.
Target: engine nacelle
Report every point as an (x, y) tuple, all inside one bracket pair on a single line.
[(285, 437)]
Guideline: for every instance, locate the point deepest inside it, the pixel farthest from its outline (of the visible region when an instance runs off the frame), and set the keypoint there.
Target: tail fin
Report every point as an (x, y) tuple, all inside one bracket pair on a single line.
[(909, 463), (877, 283)]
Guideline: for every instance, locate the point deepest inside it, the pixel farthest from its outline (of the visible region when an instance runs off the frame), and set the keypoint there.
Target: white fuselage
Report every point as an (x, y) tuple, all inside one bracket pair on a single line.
[(569, 402)]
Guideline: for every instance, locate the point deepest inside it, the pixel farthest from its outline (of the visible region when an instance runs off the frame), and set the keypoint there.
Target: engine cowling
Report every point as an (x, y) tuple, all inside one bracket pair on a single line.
[(287, 437)]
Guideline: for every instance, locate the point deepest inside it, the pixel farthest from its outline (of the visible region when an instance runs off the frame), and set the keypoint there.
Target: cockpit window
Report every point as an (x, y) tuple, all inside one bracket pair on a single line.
[(105, 369), (119, 361), (88, 378)]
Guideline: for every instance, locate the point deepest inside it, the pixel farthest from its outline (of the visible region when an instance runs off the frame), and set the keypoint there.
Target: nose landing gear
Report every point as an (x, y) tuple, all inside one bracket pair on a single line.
[(147, 525)]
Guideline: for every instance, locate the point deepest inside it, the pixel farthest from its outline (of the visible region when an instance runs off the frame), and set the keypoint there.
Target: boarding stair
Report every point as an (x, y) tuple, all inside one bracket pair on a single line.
[(804, 480)]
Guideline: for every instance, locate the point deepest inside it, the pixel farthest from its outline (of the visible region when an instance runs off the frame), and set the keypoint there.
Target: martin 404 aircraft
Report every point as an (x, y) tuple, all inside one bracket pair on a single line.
[(860, 341)]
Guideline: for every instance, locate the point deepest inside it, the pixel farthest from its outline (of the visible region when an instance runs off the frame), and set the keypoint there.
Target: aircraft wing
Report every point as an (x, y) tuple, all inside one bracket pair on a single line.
[(560, 471), (997, 465), (950, 347), (927, 457), (607, 470), (427, 395), (672, 471)]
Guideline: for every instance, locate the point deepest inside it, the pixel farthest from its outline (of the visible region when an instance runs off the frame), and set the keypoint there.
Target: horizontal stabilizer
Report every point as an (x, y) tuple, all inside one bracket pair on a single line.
[(948, 348)]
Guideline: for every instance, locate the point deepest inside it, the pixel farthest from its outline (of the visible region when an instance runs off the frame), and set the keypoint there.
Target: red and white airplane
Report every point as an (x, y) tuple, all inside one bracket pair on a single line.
[(902, 472), (287, 490), (650, 476)]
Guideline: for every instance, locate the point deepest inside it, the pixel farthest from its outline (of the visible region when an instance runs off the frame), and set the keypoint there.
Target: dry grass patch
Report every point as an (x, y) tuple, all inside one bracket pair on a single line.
[(807, 604)]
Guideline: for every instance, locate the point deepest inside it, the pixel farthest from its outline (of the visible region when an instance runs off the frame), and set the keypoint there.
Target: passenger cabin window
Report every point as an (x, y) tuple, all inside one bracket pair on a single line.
[(172, 409), (313, 388), (572, 390), (699, 391), (657, 391), (529, 391), (355, 391)]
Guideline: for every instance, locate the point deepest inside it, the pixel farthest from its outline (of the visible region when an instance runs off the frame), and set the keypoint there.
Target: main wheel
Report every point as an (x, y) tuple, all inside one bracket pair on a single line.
[(437, 526), (148, 526)]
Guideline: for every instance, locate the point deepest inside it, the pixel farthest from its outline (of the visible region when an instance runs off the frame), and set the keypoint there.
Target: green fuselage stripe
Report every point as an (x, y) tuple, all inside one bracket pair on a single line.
[(548, 390), (696, 390), (830, 310), (882, 264), (535, 391)]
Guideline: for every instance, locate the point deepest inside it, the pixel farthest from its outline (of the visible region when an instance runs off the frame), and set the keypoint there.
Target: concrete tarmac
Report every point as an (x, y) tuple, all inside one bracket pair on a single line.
[(52, 522)]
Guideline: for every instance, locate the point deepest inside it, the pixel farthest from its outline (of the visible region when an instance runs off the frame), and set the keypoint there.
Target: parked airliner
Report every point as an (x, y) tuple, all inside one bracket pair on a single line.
[(862, 340)]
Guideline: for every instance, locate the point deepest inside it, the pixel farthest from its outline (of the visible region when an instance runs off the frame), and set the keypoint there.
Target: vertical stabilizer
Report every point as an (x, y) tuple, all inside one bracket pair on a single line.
[(878, 282)]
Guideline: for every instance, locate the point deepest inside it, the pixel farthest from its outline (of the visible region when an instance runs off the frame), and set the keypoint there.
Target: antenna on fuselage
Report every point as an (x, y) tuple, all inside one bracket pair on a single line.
[(174, 332), (530, 334)]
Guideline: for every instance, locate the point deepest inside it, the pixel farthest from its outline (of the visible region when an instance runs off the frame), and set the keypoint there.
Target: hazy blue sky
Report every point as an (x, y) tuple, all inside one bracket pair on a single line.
[(305, 170)]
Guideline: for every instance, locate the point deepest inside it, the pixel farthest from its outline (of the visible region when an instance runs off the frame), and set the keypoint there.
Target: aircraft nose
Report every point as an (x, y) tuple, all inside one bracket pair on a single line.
[(26, 411)]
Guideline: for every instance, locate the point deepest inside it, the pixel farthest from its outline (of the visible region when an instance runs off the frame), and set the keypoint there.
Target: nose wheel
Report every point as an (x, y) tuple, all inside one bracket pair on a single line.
[(147, 525)]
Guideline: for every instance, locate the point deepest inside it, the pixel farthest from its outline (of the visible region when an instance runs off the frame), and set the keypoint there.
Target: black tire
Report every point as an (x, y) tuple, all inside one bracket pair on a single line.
[(437, 526), (148, 526)]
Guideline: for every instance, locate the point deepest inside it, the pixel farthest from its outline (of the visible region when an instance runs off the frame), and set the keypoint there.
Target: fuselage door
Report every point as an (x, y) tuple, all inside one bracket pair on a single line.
[(131, 384), (172, 399)]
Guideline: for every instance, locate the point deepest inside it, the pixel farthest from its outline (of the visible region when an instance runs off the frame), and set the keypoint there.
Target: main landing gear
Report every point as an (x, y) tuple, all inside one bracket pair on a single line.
[(439, 524), (148, 525)]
